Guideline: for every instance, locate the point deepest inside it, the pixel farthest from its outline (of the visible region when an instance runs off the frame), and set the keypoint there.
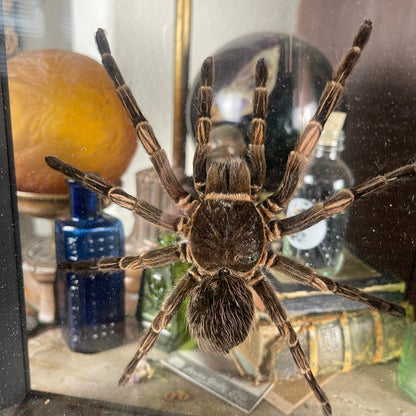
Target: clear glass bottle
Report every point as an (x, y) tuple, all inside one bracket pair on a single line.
[(90, 305), (322, 245)]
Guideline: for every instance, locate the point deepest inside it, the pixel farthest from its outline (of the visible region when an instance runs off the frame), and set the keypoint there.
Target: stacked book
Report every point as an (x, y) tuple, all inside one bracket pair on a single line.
[(336, 334)]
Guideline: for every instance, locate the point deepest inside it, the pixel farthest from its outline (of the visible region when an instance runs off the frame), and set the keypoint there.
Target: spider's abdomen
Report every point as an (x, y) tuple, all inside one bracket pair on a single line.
[(227, 232), (220, 312)]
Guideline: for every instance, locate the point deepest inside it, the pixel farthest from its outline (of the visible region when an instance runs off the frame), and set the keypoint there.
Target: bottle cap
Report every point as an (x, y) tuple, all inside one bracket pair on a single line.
[(331, 133)]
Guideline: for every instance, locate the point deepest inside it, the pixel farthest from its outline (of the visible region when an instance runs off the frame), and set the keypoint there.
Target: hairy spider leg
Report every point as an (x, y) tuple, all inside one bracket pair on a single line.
[(143, 128), (338, 202), (153, 258), (308, 277), (330, 97), (257, 130), (170, 306), (97, 184), (203, 125), (278, 315)]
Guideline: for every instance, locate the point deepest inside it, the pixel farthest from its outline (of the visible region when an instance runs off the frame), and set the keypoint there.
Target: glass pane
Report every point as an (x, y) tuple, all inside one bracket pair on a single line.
[(84, 326)]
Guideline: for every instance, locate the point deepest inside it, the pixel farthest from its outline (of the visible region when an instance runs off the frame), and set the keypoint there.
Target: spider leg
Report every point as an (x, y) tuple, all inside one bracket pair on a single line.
[(278, 315), (330, 97), (257, 130), (118, 196), (308, 277), (144, 130), (170, 306), (203, 125), (154, 258), (338, 202)]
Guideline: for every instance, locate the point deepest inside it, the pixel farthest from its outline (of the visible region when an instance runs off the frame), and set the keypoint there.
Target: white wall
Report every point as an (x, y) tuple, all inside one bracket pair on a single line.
[(217, 22), (141, 35)]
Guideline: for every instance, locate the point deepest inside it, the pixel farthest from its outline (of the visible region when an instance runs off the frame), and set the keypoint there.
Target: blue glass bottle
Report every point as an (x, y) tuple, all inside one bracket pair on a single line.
[(90, 305)]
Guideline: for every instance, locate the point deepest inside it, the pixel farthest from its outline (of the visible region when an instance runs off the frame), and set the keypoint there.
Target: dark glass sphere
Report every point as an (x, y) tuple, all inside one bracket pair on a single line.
[(297, 75)]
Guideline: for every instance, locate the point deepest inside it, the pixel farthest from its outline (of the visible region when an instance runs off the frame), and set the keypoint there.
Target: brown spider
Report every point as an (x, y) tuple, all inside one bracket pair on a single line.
[(226, 230)]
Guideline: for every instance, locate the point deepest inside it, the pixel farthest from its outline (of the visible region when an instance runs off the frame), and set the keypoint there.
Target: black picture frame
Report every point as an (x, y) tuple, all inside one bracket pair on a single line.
[(14, 363)]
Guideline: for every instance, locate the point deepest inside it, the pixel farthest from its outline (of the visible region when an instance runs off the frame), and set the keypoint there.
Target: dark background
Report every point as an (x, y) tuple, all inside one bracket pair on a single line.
[(381, 122)]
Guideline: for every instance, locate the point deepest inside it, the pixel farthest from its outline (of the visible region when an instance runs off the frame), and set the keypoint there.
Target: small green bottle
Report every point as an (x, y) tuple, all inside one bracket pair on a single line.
[(156, 285)]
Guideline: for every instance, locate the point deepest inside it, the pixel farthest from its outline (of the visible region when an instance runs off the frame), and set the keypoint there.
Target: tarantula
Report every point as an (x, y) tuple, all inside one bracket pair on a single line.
[(226, 229)]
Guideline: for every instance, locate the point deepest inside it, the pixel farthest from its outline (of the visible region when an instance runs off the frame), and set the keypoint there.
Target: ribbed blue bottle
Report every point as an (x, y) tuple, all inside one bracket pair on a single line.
[(90, 305)]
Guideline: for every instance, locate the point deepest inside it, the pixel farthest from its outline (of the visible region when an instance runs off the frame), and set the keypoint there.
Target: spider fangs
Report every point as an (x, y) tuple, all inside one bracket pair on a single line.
[(226, 229)]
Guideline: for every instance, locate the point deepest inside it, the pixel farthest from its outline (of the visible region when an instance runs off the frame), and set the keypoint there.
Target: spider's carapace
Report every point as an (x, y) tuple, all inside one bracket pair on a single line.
[(227, 234)]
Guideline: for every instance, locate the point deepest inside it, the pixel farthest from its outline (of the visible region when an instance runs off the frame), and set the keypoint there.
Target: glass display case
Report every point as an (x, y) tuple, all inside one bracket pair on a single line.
[(57, 99)]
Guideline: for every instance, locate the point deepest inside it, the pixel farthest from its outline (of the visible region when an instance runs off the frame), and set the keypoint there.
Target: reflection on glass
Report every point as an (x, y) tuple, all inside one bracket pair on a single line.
[(54, 366)]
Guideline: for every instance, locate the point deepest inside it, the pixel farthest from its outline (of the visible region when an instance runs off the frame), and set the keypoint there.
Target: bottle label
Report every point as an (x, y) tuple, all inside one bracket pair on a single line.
[(312, 236)]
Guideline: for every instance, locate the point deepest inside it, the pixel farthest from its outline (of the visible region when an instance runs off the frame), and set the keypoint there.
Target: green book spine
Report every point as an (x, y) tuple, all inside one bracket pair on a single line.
[(332, 342)]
